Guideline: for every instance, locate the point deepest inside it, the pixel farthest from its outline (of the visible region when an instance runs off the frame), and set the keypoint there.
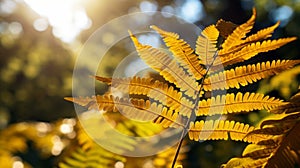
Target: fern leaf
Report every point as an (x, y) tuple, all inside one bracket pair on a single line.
[(262, 34), (206, 45), (287, 108), (252, 50), (167, 67), (295, 98), (258, 153), (108, 81), (137, 109), (207, 130), (231, 103), (292, 106), (182, 52), (154, 89), (285, 120), (225, 27), (244, 163), (286, 158), (220, 130), (89, 102), (274, 130), (235, 38), (272, 142), (145, 111), (247, 74), (285, 154)]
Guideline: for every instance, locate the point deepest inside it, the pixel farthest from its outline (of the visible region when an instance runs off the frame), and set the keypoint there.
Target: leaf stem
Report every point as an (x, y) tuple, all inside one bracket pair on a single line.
[(193, 114), (178, 148)]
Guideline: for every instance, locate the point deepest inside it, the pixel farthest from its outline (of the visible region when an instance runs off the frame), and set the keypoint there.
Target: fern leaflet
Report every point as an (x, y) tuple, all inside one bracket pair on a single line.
[(183, 52), (235, 103)]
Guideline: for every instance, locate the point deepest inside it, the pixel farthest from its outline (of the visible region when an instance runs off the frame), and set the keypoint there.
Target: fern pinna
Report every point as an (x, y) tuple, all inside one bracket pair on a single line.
[(281, 149), (190, 76)]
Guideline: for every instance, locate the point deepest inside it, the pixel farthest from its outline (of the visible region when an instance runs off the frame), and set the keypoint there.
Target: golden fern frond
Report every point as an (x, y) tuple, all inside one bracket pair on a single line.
[(292, 106), (255, 151), (89, 102), (252, 50), (168, 101), (138, 109), (154, 89), (262, 34), (206, 45), (273, 141), (247, 74), (286, 154), (288, 119), (262, 153), (274, 130), (220, 130), (287, 108), (235, 38), (167, 67), (296, 97), (282, 150), (235, 103), (244, 163), (182, 52), (108, 81), (225, 27), (105, 103)]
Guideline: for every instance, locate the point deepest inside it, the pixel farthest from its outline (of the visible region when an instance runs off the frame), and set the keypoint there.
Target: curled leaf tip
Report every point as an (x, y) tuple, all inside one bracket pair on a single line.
[(103, 79), (71, 99)]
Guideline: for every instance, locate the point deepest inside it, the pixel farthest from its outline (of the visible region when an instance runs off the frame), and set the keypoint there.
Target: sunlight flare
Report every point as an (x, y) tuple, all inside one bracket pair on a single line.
[(68, 18)]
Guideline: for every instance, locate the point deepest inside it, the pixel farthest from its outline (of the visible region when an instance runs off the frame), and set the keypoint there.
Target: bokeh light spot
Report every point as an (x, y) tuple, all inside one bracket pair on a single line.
[(283, 13), (7, 7), (18, 164), (147, 6), (15, 28), (119, 165), (66, 128), (40, 24), (192, 11), (167, 11), (57, 145)]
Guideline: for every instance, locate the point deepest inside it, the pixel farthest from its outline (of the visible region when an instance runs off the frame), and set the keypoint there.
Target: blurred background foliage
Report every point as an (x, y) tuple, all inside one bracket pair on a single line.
[(39, 43)]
